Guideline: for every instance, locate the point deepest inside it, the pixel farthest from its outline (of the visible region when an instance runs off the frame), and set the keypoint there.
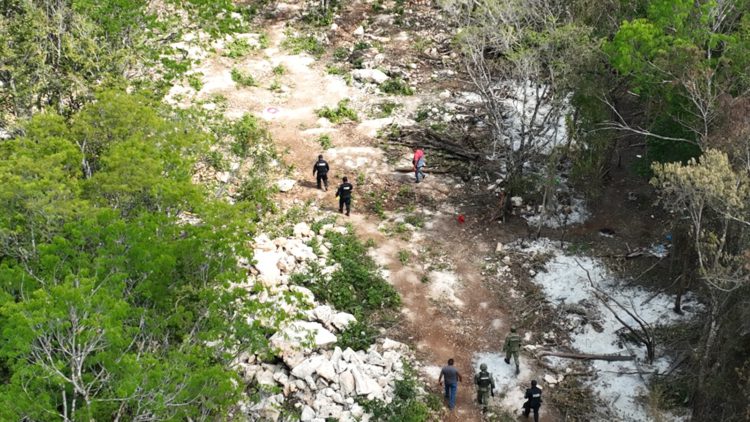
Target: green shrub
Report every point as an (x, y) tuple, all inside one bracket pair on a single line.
[(195, 81), (340, 53), (325, 142), (358, 336), (357, 286), (263, 40), (242, 78), (279, 70), (404, 256), (339, 114), (335, 70), (275, 86), (303, 43), (410, 403), (386, 108), (396, 86), (247, 132), (256, 191), (216, 160), (238, 47)]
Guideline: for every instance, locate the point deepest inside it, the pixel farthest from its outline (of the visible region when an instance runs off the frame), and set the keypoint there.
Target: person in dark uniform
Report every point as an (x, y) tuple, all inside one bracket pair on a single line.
[(533, 401), (344, 193), (321, 167)]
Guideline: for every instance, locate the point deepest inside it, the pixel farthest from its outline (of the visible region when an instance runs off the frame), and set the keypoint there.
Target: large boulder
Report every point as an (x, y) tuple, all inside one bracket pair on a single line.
[(308, 367), (301, 335), (342, 320), (370, 75), (327, 371), (267, 264), (346, 382)]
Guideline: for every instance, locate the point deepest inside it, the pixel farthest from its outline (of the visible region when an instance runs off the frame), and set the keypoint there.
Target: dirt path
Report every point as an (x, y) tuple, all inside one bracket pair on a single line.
[(452, 316)]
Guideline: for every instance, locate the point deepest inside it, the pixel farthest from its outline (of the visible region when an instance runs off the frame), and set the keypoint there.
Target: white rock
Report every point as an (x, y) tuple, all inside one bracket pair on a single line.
[(265, 377), (370, 75), (517, 201), (302, 230), (334, 27), (550, 379), (327, 371), (307, 294), (323, 313), (296, 336), (499, 247), (263, 243), (360, 31), (445, 94), (350, 356), (342, 320), (223, 176), (346, 381), (389, 344), (357, 410), (281, 378), (374, 358), (308, 366), (267, 264), (336, 357), (365, 385), (308, 414), (285, 185)]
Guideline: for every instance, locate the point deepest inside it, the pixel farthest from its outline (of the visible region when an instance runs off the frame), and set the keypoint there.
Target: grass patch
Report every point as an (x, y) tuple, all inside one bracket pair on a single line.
[(303, 44), (341, 113), (275, 86), (396, 86), (195, 81), (358, 336), (332, 69), (340, 53), (264, 41), (404, 256), (279, 70), (238, 47), (243, 78), (385, 109), (325, 142)]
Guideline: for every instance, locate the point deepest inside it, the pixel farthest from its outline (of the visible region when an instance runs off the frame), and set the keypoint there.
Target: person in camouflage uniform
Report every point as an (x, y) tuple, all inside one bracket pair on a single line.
[(485, 386), (512, 347)]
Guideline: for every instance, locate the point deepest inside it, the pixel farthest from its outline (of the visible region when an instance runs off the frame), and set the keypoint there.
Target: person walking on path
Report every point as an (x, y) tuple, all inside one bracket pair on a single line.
[(512, 347), (321, 167), (344, 193), (418, 162), (485, 386), (533, 398), (450, 375)]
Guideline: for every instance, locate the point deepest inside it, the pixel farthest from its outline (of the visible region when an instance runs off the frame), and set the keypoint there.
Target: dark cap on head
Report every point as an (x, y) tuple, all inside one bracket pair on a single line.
[(533, 383), (345, 179)]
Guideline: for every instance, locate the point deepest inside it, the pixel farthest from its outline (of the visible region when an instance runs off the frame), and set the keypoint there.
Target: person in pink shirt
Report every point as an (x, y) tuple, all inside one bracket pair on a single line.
[(418, 162)]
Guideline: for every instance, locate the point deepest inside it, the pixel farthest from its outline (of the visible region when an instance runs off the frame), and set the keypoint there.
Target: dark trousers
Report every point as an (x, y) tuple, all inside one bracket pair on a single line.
[(347, 202), (528, 410), (324, 178)]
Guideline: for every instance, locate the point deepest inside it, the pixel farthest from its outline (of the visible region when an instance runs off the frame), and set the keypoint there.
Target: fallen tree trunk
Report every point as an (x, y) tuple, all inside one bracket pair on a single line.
[(584, 356), (424, 137), (424, 170)]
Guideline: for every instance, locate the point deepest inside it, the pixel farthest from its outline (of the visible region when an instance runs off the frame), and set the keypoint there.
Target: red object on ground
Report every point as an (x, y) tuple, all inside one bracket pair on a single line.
[(461, 218)]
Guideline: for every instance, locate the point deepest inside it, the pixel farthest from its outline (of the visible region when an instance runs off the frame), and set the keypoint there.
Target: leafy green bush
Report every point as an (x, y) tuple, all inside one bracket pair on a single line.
[(335, 70), (358, 336), (256, 191), (237, 48), (325, 142), (340, 53), (195, 81), (303, 43), (386, 108), (339, 114), (275, 86), (357, 286), (242, 78), (396, 86), (279, 70), (409, 404), (247, 132)]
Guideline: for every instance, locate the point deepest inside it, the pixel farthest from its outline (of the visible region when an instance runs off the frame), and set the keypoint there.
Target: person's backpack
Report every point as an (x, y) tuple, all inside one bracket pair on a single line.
[(484, 380), (420, 162)]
